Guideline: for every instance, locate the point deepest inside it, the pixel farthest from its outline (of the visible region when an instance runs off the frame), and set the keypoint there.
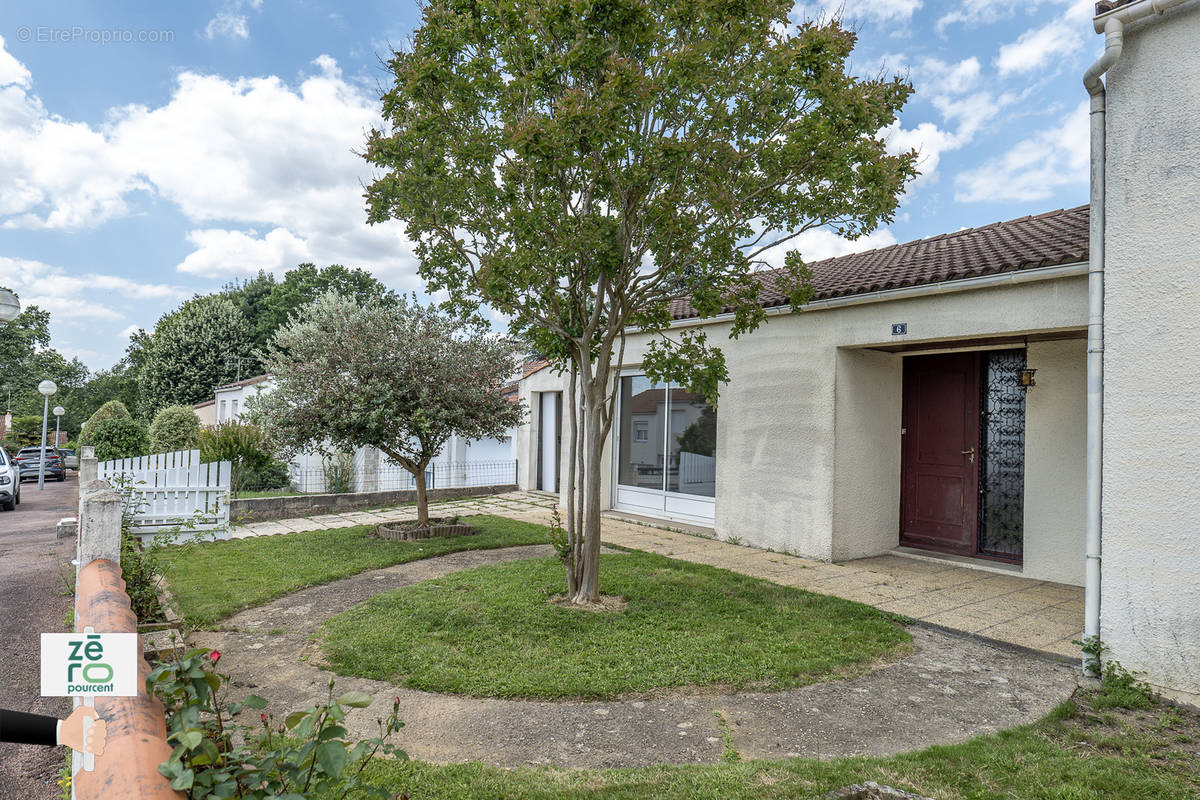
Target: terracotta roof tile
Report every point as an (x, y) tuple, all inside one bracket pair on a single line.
[(1050, 239)]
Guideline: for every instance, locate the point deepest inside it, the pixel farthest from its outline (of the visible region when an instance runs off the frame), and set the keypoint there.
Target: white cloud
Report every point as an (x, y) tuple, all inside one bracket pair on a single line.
[(972, 13), (266, 169), (242, 252), (128, 333), (1037, 47), (821, 243), (227, 25), (69, 296), (928, 140), (870, 10), (12, 71), (1035, 168), (230, 23)]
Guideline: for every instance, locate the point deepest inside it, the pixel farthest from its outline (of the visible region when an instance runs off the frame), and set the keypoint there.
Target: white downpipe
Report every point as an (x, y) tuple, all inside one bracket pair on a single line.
[(1113, 43), (1112, 24)]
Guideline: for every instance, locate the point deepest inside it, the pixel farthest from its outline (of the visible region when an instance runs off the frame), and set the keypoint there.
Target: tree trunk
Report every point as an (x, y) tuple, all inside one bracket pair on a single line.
[(592, 420), (422, 499)]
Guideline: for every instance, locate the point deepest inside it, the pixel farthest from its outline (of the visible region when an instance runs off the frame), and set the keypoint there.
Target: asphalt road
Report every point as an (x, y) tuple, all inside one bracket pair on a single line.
[(35, 576)]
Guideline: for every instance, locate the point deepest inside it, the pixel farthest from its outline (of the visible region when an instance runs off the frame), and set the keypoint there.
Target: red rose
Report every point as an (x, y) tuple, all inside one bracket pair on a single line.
[(264, 717), (215, 656)]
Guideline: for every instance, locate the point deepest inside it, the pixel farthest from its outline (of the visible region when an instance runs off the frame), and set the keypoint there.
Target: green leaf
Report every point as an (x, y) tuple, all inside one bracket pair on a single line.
[(256, 702), (295, 718), (331, 732), (355, 699), (184, 780), (332, 757), (191, 739)]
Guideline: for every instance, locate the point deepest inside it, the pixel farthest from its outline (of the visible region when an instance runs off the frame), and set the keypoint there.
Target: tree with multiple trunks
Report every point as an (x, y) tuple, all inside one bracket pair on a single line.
[(580, 165), (397, 376)]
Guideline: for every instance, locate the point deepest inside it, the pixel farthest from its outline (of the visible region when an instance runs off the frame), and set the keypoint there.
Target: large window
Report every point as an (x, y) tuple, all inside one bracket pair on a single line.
[(668, 439)]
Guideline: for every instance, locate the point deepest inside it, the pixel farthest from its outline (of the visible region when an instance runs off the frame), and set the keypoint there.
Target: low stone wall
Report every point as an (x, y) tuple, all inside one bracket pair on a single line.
[(259, 509)]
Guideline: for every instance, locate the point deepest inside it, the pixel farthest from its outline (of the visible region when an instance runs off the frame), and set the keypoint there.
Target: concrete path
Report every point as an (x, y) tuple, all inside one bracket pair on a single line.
[(1004, 607), (949, 689)]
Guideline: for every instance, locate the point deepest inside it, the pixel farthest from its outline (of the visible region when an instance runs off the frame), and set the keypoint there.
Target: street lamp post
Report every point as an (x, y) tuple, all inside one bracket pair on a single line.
[(47, 388), (58, 414)]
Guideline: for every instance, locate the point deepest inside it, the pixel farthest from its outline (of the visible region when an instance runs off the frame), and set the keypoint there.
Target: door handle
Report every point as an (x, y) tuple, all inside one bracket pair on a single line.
[(971, 453)]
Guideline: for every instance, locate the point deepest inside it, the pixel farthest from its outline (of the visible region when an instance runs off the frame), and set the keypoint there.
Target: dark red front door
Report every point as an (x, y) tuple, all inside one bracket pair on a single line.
[(939, 478)]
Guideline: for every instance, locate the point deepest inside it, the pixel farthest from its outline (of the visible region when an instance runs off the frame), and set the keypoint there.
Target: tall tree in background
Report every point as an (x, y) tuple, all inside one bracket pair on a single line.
[(27, 358), (401, 377), (581, 164), (192, 351), (268, 304)]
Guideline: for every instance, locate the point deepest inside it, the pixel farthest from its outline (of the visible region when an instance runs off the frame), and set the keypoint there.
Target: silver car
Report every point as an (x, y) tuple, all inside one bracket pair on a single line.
[(10, 482), (70, 458)]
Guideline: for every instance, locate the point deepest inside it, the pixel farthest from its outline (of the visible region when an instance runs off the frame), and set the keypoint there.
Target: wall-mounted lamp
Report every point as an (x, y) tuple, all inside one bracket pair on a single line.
[(1025, 378)]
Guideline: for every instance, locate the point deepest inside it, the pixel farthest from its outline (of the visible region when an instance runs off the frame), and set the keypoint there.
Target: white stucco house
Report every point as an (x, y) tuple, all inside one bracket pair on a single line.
[(1022, 397)]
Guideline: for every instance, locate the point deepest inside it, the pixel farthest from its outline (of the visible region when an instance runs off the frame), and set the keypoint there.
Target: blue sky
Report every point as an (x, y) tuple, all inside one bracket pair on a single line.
[(152, 150)]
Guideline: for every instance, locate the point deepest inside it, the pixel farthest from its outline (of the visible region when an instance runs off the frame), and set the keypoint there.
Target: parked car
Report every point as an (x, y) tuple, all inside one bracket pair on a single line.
[(70, 458), (28, 459), (10, 482)]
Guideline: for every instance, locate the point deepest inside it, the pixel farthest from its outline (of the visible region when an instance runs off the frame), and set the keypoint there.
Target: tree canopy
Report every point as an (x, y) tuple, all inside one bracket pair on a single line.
[(27, 358), (267, 304), (192, 351), (400, 377), (581, 165)]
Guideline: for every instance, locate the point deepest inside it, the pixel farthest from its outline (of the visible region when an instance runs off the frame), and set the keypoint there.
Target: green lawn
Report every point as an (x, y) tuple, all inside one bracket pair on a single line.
[(1074, 754), (213, 580), (490, 631)]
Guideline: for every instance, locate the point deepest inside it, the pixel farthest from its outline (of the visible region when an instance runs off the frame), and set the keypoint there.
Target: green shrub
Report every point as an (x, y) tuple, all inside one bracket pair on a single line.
[(244, 446), (339, 473), (113, 409), (307, 755), (25, 432), (271, 475), (1120, 688), (174, 428), (118, 437)]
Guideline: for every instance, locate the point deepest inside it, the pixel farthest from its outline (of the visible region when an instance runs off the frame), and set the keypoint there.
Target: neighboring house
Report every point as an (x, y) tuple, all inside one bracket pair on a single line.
[(206, 412), (232, 397)]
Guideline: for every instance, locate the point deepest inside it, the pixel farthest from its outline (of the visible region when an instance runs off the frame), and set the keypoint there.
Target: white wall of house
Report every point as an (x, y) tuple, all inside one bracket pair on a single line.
[(1150, 602), (527, 438), (231, 402), (808, 428)]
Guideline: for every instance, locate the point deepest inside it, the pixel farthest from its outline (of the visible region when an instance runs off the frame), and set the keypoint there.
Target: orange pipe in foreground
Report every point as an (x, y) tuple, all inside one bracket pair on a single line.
[(137, 729)]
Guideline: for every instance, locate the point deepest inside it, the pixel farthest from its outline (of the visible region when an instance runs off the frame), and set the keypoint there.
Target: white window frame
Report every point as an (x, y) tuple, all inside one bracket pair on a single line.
[(658, 503)]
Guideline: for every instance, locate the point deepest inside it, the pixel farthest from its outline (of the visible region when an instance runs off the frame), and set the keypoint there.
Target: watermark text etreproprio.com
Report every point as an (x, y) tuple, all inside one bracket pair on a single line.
[(79, 33)]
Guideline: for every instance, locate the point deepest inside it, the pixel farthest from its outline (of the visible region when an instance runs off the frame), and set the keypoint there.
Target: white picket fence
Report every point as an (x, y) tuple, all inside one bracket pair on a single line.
[(174, 489)]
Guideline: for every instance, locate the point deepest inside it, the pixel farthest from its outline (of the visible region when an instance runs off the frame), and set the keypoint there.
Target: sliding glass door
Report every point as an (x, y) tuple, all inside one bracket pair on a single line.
[(666, 450)]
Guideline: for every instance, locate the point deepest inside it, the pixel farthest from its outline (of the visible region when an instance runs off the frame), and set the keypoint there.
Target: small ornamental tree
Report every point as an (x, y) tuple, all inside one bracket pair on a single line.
[(174, 428), (400, 377), (580, 165)]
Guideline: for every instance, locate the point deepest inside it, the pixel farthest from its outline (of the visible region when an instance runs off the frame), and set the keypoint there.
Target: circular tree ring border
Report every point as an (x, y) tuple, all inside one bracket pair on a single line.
[(434, 529)]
